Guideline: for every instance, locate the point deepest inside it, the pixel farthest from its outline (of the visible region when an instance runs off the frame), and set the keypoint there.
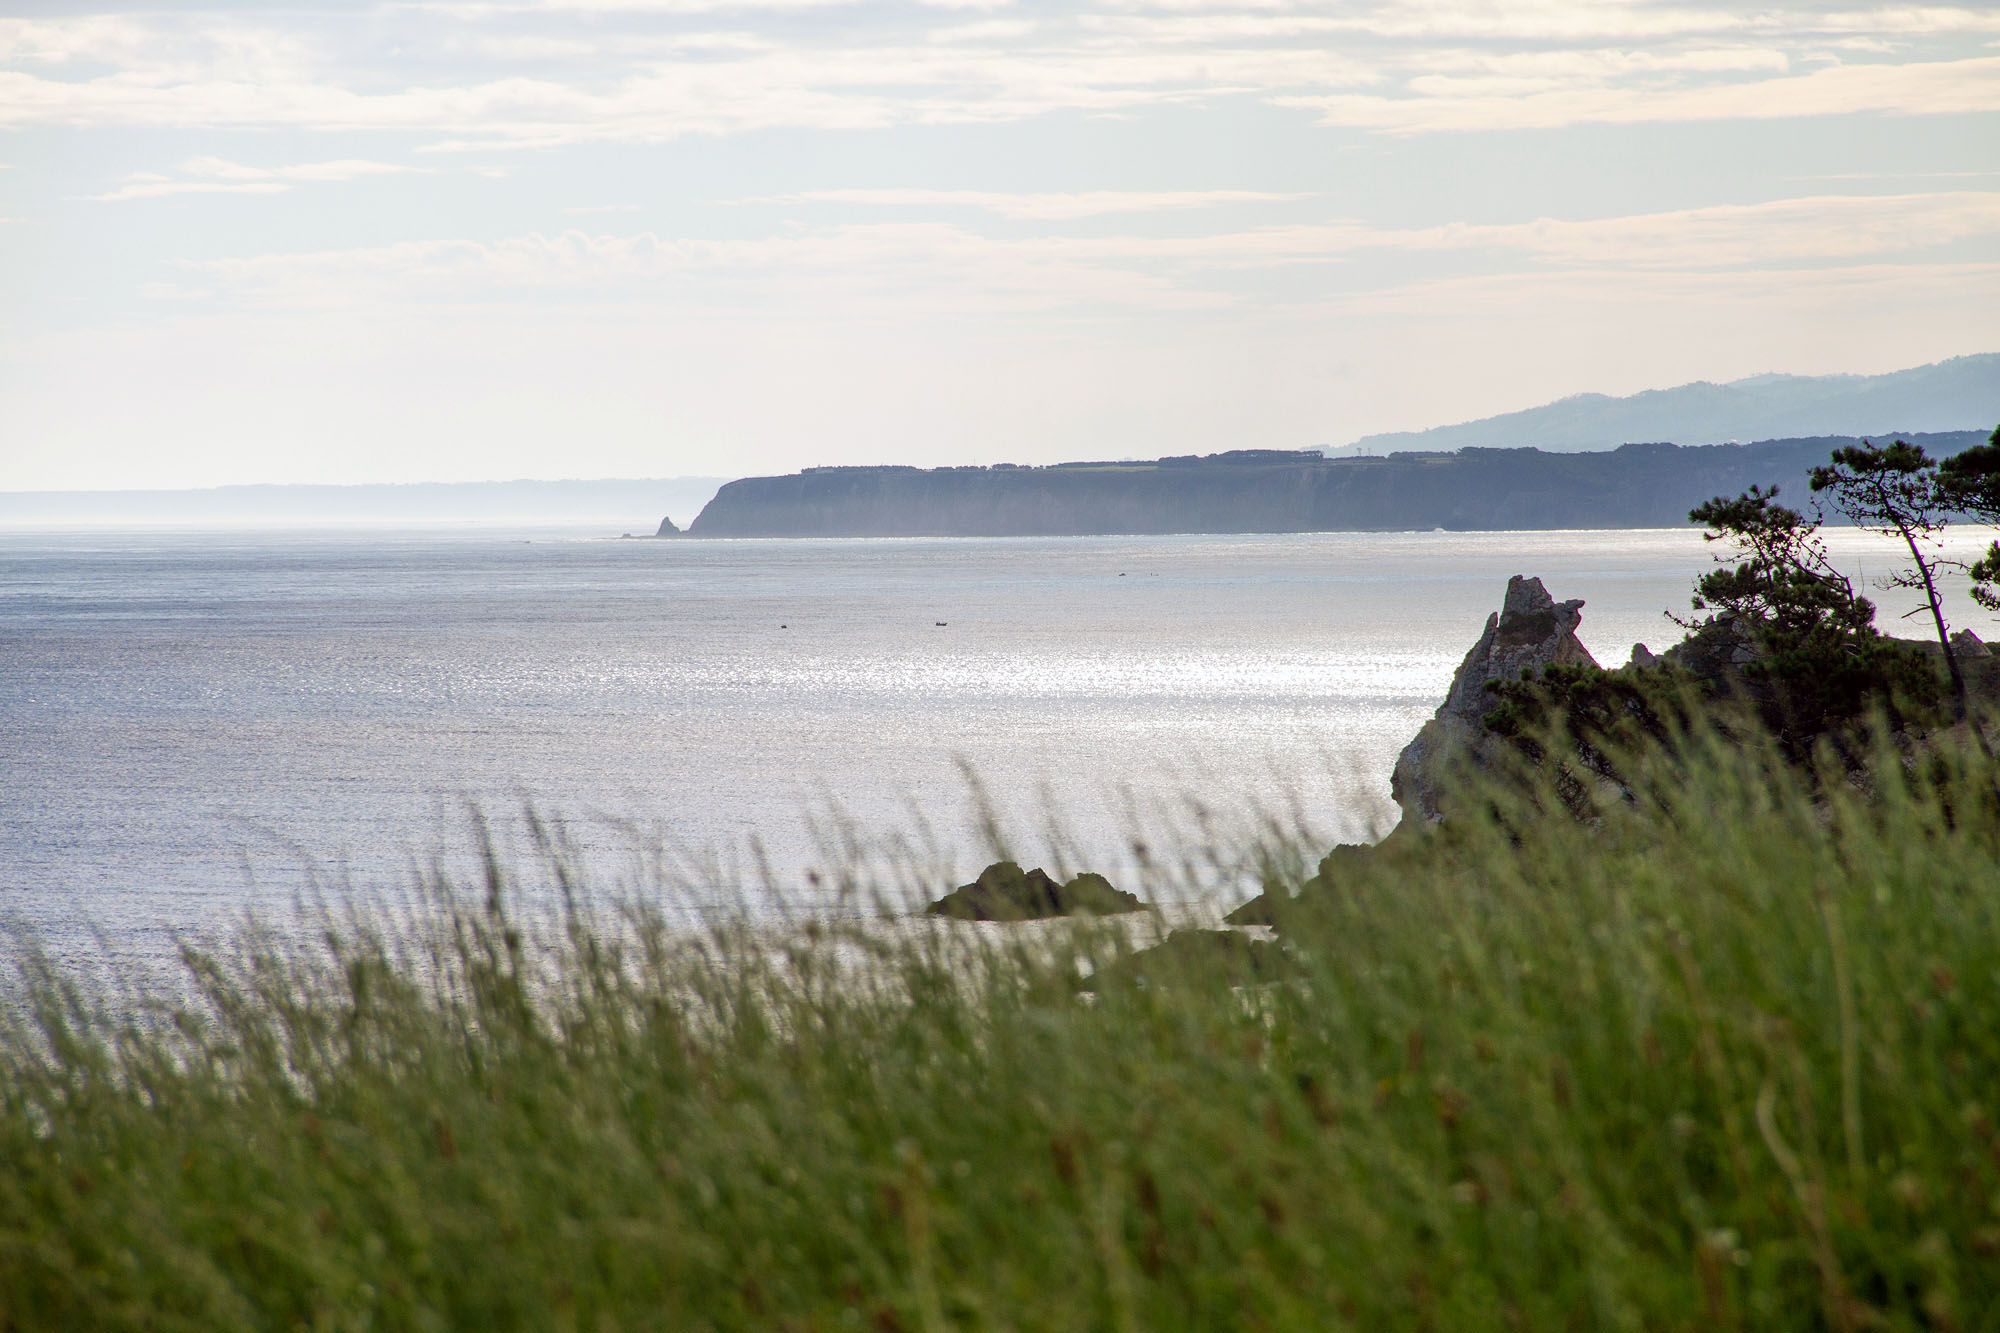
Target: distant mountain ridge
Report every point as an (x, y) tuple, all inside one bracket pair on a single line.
[(1960, 394)]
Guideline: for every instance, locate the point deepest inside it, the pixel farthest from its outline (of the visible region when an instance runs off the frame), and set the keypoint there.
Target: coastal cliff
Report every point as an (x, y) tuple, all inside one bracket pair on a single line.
[(1268, 490)]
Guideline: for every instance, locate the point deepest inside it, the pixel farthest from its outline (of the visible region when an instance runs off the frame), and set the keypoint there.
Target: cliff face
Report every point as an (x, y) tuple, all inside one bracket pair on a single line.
[(1638, 485)]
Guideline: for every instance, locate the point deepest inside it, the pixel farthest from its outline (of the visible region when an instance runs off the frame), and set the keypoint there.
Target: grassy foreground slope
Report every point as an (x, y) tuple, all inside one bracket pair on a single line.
[(1729, 1061)]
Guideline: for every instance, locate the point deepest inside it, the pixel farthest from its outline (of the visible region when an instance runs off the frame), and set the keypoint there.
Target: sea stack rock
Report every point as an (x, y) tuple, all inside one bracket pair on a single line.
[(667, 529), (1531, 632), (1004, 892)]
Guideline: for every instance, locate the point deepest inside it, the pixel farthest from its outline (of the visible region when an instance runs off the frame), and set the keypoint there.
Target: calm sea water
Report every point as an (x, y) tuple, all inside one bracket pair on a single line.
[(194, 724)]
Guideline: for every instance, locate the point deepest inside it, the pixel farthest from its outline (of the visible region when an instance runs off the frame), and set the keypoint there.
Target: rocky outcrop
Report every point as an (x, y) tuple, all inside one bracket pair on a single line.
[(1719, 661), (1345, 862), (1530, 632), (667, 529), (1004, 892), (1716, 653)]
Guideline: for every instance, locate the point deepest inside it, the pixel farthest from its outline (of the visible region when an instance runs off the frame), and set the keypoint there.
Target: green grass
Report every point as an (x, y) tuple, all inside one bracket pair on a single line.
[(1729, 1061)]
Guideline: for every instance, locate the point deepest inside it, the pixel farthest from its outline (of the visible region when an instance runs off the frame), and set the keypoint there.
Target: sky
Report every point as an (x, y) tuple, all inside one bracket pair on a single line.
[(485, 239)]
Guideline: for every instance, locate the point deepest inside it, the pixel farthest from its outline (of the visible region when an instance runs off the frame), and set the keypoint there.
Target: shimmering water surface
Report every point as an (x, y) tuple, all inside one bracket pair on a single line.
[(194, 723)]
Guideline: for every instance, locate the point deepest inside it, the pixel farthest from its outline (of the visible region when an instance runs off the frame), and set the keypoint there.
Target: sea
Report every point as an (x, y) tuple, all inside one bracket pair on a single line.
[(199, 728)]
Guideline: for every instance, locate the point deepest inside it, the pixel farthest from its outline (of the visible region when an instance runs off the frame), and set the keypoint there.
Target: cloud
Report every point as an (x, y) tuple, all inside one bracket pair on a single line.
[(1041, 207), (1895, 175), (594, 10), (856, 271), (1444, 104), (225, 177), (156, 189), (346, 169), (603, 208), (1576, 293), (990, 30), (1594, 22), (527, 47), (171, 291), (1721, 238), (158, 48), (651, 70), (1727, 237), (945, 268)]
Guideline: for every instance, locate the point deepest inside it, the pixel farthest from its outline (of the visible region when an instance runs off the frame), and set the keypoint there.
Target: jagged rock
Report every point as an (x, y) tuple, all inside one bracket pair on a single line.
[(1263, 910), (1967, 644), (667, 529), (1201, 957), (1275, 902), (1004, 892), (1642, 657), (1530, 632)]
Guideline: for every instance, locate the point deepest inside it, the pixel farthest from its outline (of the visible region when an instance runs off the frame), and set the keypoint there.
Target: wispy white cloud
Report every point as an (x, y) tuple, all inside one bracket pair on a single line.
[(598, 9), (1042, 207), (543, 75), (346, 169), (216, 175), (1446, 104), (1596, 22), (857, 270), (986, 30), (950, 267), (1588, 293), (523, 46), (172, 291), (1731, 237), (602, 208), (167, 47), (160, 189), (1896, 175)]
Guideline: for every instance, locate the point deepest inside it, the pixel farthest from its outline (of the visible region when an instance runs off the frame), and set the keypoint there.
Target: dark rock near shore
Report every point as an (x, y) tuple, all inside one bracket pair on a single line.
[(1004, 892), (1276, 902), (667, 529)]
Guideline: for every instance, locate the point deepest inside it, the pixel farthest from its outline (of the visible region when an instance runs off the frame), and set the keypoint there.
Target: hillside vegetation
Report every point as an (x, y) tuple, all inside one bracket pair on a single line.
[(1726, 1057)]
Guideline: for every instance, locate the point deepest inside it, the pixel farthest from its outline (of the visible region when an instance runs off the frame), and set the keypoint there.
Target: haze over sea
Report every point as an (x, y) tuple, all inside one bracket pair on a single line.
[(196, 723)]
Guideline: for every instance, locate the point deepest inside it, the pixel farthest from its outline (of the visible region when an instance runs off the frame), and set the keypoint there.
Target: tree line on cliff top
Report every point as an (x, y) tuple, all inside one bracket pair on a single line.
[(1778, 625)]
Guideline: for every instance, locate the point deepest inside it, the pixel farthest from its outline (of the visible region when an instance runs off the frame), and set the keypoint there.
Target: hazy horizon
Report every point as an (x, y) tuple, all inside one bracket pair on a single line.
[(631, 505), (569, 496)]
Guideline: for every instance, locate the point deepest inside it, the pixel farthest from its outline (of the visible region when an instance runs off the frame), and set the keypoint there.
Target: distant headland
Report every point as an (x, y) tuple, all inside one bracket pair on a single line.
[(1272, 490)]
